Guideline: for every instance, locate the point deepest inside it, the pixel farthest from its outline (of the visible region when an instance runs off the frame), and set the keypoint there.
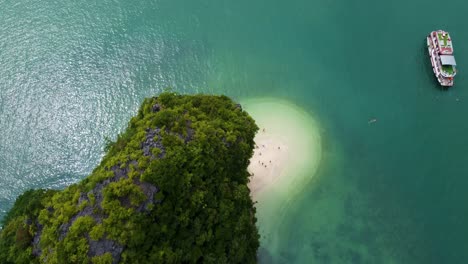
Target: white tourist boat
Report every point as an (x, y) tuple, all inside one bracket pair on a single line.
[(443, 62)]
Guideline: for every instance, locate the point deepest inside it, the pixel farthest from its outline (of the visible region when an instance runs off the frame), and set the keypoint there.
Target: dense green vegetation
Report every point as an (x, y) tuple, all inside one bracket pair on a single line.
[(172, 188), (18, 227)]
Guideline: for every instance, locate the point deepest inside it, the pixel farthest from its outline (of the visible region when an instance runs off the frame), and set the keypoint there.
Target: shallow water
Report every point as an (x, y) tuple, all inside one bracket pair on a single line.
[(393, 191)]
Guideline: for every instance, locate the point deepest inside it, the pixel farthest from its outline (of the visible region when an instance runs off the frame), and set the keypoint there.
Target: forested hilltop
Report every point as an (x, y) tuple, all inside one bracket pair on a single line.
[(171, 189)]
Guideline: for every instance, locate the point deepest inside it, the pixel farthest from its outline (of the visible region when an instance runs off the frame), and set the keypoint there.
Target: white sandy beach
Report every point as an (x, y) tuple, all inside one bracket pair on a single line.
[(270, 157), (288, 148)]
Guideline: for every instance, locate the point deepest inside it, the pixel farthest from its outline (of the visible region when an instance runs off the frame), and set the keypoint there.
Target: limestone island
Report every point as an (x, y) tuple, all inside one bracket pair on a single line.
[(172, 188), (177, 186)]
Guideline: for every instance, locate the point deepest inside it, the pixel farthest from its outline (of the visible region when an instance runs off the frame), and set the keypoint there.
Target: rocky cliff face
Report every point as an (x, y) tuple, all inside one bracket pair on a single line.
[(94, 209)]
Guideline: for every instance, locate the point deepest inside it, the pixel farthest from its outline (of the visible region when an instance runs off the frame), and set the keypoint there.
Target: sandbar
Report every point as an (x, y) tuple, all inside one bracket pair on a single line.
[(288, 147)]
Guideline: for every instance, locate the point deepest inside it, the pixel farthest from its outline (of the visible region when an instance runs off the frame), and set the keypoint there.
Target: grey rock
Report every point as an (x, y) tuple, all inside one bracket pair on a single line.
[(156, 108), (149, 143), (102, 246)]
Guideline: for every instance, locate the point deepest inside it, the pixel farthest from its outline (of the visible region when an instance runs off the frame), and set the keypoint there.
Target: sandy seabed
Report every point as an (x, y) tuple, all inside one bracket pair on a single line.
[(288, 149)]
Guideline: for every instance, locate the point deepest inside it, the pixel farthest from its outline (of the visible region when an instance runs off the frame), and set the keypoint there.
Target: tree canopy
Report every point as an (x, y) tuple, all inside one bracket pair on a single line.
[(172, 188)]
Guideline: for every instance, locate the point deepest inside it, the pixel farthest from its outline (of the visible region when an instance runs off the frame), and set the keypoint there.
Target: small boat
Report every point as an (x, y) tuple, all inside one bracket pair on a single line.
[(440, 47)]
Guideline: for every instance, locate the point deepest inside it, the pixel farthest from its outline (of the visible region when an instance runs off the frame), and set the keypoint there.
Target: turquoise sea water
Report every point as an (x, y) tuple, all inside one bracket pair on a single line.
[(394, 191)]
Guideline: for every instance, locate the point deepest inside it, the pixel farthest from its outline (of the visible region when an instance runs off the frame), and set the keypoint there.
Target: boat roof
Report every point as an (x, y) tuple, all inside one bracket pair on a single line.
[(444, 41), (448, 60)]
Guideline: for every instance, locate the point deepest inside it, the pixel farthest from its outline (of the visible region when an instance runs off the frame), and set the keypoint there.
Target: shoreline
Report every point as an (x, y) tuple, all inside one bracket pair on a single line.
[(288, 148)]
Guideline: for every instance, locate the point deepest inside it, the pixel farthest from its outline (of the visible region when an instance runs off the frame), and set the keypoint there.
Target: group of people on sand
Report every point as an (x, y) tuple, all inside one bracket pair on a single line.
[(260, 153)]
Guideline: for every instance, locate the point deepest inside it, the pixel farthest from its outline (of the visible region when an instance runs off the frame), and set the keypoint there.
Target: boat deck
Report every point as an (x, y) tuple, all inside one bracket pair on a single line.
[(444, 42), (448, 69)]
